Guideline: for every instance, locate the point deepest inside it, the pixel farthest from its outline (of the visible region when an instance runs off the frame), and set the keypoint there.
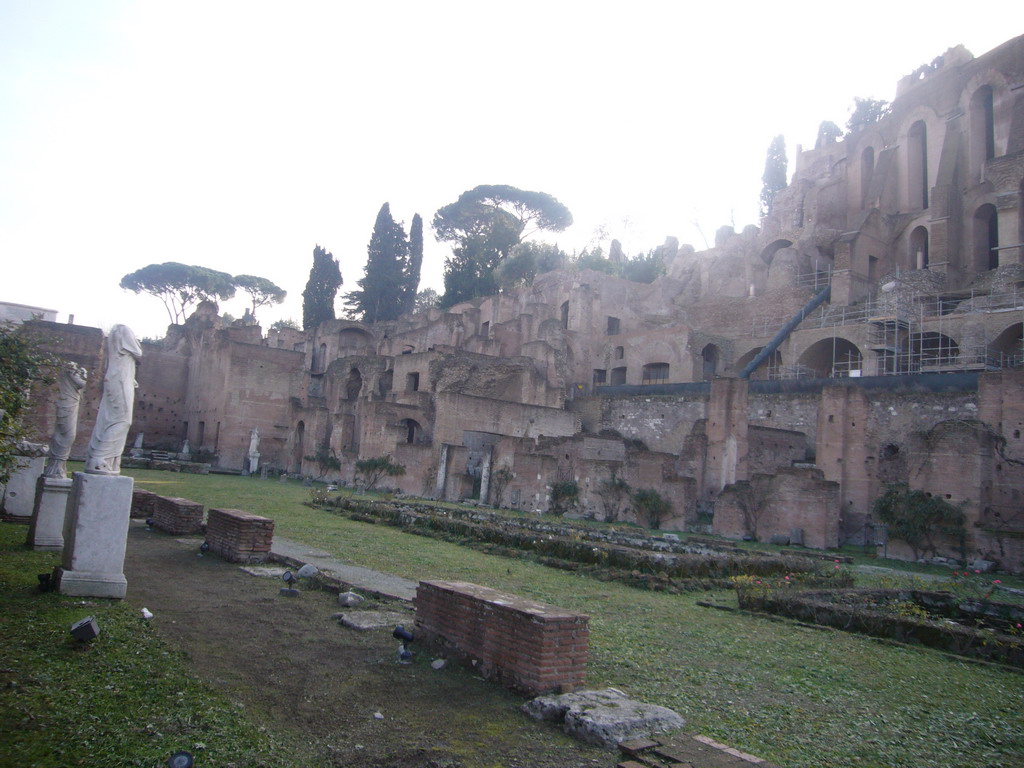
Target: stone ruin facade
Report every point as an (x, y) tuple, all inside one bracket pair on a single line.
[(909, 370)]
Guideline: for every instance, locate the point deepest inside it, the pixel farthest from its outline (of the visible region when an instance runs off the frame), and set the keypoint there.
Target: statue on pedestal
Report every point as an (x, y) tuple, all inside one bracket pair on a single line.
[(254, 451), (118, 399), (70, 381)]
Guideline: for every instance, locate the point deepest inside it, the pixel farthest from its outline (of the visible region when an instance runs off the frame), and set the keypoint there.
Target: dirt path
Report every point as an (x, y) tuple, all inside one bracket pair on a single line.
[(293, 667)]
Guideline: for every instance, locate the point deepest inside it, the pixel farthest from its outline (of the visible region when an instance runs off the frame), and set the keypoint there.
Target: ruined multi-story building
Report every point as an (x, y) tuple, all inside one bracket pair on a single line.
[(870, 332)]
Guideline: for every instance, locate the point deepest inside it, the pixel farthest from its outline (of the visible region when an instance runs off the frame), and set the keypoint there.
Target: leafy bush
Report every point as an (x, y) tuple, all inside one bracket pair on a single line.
[(649, 506), (564, 495), (373, 470), (918, 518)]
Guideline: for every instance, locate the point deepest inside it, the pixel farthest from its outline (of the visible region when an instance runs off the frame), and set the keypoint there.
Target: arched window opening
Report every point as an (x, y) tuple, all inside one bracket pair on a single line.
[(413, 431), (982, 130), (932, 352), (919, 248), (832, 358), (620, 352), (1007, 349), (986, 238), (867, 168), (320, 363), (917, 165), (655, 373), (709, 362), (618, 376), (353, 385), (299, 452), (565, 314), (769, 369), (769, 252)]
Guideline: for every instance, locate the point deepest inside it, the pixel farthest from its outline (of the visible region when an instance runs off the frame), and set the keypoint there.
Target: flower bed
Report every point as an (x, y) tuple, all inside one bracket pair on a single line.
[(936, 619), (653, 563)]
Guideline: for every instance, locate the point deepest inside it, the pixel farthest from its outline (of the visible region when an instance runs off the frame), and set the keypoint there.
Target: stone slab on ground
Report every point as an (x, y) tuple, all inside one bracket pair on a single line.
[(680, 750), (366, 580), (267, 571), (364, 620), (605, 717)]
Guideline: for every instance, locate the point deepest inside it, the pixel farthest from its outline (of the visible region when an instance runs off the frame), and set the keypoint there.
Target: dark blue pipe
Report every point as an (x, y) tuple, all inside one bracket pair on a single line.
[(784, 332)]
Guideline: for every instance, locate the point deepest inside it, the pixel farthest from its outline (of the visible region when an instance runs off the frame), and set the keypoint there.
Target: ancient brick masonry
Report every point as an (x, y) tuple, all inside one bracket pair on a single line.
[(527, 645), (239, 536), (143, 503), (177, 516)]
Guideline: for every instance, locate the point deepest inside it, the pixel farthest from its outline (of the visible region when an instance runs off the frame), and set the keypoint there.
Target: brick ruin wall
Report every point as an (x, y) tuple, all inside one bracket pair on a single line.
[(527, 645)]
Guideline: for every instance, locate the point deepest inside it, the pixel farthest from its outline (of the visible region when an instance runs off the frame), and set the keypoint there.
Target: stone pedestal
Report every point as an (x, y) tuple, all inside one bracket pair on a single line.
[(20, 495), (95, 536), (46, 531), (254, 463)]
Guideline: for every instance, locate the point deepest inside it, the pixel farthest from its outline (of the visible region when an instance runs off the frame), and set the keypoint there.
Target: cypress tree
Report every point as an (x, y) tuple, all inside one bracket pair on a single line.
[(321, 288), (774, 173), (412, 276), (381, 293)]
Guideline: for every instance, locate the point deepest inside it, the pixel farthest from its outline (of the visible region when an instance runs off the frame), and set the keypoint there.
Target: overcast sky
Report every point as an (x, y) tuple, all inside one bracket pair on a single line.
[(240, 135)]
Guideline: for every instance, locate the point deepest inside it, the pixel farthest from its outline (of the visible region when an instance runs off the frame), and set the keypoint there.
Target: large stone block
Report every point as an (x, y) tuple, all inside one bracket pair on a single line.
[(95, 536), (20, 494), (46, 531)]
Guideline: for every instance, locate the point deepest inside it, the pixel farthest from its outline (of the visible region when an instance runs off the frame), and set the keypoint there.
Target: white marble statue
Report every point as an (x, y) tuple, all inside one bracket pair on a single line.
[(254, 442), (115, 413), (70, 381)]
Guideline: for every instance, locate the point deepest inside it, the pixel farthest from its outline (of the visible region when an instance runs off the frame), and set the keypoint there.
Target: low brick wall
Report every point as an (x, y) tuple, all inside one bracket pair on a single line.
[(527, 645), (177, 516), (143, 503), (239, 536)]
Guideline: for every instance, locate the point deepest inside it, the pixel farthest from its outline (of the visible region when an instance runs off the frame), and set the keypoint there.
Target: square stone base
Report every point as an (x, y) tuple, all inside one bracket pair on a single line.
[(95, 536)]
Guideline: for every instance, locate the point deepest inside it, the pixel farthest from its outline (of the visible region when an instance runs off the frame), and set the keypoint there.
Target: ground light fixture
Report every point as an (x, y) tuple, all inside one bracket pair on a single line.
[(289, 579), (85, 629), (181, 759), (406, 637)]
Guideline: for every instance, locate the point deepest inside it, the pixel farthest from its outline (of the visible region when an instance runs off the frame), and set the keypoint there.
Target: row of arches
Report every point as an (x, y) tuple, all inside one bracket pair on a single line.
[(984, 241), (922, 352), (981, 147)]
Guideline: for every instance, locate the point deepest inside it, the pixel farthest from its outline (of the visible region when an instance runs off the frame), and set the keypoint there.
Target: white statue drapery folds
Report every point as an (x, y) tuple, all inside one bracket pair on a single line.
[(118, 399), (70, 381)]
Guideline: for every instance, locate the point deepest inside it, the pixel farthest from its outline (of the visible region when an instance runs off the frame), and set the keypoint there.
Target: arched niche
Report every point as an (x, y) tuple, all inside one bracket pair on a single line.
[(981, 131), (353, 384), (764, 370), (769, 252), (1007, 348), (917, 166), (918, 246), (986, 238), (710, 359), (413, 430), (831, 358), (931, 352)]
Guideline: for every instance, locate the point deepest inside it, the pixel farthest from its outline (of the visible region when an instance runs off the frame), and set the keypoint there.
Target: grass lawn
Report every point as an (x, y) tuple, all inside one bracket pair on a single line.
[(794, 695)]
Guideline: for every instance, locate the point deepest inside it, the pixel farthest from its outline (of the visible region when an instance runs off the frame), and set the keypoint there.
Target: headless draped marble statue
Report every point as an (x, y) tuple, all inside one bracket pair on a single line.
[(115, 413), (70, 381)]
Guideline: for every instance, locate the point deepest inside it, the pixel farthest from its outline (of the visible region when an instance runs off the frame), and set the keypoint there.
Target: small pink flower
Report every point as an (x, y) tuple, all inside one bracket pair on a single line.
[(787, 578), (976, 570), (997, 581), (837, 566), (1018, 625)]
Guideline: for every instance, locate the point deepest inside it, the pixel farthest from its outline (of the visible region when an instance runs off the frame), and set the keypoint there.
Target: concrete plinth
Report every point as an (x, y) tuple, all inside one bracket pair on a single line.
[(20, 495), (46, 531), (95, 535)]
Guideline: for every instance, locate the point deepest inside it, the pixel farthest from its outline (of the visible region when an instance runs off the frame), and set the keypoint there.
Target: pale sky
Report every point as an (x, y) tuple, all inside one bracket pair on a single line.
[(239, 135)]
